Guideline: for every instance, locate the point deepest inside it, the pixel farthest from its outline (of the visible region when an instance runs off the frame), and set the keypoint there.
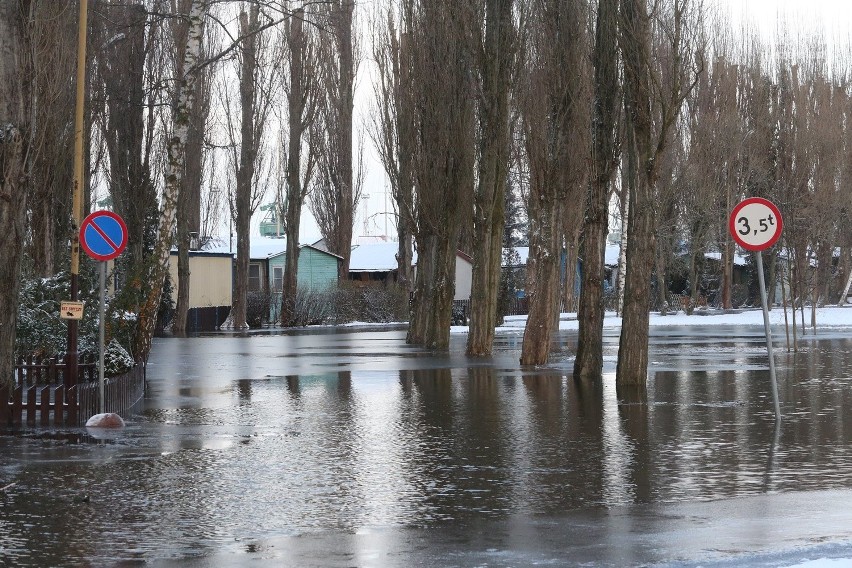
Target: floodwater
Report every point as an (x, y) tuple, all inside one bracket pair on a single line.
[(349, 448)]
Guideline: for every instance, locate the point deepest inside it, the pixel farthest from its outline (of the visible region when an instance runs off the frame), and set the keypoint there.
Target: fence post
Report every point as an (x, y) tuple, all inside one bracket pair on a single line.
[(5, 411)]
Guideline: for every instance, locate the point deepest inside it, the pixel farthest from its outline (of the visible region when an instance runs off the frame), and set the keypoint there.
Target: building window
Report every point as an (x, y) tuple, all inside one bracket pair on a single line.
[(277, 278), (254, 277)]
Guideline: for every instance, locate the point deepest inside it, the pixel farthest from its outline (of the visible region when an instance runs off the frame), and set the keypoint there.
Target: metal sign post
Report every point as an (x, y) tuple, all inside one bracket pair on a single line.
[(101, 316), (103, 235), (755, 225)]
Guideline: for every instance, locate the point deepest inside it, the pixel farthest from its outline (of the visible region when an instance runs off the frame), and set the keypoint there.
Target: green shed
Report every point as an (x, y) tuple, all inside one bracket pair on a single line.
[(317, 271)]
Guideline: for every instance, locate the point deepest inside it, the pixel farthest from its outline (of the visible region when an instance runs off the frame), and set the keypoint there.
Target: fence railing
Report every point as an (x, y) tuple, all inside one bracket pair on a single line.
[(39, 395)]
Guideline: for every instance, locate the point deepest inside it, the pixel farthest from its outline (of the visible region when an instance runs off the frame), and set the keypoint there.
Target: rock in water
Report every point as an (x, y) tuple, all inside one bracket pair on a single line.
[(106, 420)]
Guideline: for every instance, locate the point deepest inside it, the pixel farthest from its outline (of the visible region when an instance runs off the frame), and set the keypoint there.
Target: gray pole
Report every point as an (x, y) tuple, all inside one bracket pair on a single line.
[(101, 317), (760, 279)]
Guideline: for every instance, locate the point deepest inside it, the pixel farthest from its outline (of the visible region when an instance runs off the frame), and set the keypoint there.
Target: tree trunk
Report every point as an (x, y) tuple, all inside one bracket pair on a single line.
[(13, 194), (629, 181), (572, 248), (727, 272), (434, 289), (589, 361), (662, 296), (175, 168), (189, 201), (632, 368), (845, 293), (297, 122), (245, 169), (345, 105), (489, 211), (544, 301)]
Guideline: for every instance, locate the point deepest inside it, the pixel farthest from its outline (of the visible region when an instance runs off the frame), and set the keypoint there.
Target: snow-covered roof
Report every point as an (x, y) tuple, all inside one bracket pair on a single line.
[(739, 259), (259, 247), (375, 257)]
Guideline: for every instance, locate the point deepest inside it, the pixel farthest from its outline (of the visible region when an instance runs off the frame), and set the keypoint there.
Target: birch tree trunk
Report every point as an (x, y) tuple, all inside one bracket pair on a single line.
[(845, 293), (495, 70), (189, 199), (175, 167)]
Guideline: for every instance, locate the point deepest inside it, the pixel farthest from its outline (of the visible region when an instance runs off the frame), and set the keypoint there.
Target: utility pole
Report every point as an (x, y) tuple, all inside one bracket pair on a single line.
[(72, 357)]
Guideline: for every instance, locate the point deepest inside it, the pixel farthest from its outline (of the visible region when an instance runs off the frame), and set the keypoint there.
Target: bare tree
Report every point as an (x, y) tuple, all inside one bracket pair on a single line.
[(302, 100), (661, 82), (443, 160), (176, 160), (550, 106), (15, 137), (120, 78), (189, 200), (53, 37), (589, 360), (392, 130), (256, 77), (495, 65), (337, 190)]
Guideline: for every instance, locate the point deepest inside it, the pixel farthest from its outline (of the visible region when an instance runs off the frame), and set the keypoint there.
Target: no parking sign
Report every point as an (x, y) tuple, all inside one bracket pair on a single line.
[(103, 235)]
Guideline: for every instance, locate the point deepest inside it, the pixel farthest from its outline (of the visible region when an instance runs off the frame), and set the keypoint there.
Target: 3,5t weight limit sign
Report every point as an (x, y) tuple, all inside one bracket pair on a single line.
[(756, 224)]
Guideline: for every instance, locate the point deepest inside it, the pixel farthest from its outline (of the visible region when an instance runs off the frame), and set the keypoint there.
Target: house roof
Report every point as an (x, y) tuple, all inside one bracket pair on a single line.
[(312, 247), (375, 257), (260, 248)]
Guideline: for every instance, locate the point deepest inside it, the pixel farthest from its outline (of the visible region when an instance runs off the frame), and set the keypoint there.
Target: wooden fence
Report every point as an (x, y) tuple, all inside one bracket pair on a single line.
[(39, 396)]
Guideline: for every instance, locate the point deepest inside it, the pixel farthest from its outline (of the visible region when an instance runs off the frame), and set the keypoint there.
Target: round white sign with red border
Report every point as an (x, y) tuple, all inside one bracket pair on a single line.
[(756, 224)]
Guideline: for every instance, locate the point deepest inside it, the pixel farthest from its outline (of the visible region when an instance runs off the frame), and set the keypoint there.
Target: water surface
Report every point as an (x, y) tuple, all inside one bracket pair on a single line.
[(351, 448)]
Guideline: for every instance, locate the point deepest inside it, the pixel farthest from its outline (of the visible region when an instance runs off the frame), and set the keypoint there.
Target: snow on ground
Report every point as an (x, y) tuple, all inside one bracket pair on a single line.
[(828, 317)]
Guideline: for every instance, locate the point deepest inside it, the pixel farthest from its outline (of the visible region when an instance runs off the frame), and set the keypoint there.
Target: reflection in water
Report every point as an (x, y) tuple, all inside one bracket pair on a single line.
[(220, 459)]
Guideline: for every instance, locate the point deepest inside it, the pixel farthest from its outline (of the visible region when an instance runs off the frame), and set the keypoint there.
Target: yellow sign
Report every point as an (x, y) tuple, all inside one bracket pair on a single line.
[(71, 310)]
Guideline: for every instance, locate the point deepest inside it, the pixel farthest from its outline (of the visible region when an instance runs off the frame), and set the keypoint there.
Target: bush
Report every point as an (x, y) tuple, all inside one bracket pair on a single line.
[(372, 302), (117, 360), (257, 309), (40, 331)]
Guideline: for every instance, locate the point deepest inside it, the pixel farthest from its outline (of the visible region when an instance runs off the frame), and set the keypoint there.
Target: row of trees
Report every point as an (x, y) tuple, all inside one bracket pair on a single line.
[(574, 104), (472, 96), (583, 104)]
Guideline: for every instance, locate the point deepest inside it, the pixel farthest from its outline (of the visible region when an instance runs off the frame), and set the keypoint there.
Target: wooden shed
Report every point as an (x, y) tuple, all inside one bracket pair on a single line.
[(210, 288), (317, 269)]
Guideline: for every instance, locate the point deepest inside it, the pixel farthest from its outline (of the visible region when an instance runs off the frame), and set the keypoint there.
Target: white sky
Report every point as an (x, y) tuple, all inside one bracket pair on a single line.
[(829, 18)]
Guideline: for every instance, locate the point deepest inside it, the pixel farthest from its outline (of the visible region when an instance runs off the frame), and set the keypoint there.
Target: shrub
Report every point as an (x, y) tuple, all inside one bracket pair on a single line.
[(40, 331), (257, 309), (371, 302), (117, 360)]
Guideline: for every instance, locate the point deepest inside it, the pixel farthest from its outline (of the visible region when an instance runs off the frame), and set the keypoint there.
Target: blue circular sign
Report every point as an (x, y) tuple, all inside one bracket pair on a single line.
[(103, 235)]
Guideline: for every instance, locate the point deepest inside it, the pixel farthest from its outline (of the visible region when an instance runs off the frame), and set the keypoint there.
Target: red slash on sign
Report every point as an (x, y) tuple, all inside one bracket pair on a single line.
[(103, 235)]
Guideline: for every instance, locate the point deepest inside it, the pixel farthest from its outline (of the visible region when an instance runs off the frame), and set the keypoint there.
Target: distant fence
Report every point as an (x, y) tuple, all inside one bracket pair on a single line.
[(40, 396)]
